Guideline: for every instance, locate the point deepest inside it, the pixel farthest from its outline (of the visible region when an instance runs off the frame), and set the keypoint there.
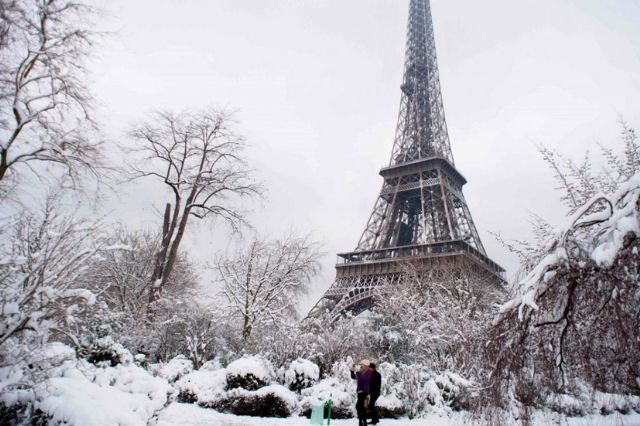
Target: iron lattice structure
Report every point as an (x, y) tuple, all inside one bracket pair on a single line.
[(421, 215)]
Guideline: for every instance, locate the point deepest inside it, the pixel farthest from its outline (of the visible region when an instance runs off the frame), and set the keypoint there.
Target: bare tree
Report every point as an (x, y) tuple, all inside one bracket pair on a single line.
[(262, 282), (200, 159), (45, 107)]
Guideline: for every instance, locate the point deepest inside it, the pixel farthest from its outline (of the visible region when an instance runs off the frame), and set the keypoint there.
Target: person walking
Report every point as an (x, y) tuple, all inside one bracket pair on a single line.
[(374, 390), (363, 378)]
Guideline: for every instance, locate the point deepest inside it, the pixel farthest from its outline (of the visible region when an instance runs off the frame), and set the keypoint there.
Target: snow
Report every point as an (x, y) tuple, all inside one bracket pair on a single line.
[(80, 402), (185, 414), (279, 391), (326, 388), (390, 402), (77, 392), (174, 369), (302, 369), (204, 386), (10, 309), (254, 365), (178, 414), (610, 227), (211, 365)]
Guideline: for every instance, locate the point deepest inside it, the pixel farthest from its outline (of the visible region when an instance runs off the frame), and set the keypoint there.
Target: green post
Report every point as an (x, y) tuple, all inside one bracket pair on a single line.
[(330, 403)]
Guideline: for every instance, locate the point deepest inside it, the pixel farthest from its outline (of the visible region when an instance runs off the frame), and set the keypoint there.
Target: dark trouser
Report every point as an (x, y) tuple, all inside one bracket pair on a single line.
[(360, 409), (372, 408)]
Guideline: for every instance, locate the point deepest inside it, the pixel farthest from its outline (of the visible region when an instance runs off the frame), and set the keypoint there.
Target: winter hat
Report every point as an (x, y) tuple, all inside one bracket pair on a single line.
[(365, 362)]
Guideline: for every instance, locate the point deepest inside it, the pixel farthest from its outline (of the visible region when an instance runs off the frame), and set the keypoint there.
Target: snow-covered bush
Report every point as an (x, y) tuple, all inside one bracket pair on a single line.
[(268, 401), (105, 352), (250, 373), (174, 369), (211, 365), (77, 392), (456, 390), (203, 387), (301, 374), (390, 407)]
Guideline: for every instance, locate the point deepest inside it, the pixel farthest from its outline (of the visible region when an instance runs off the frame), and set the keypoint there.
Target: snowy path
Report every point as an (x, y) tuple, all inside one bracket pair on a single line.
[(191, 415), (188, 414)]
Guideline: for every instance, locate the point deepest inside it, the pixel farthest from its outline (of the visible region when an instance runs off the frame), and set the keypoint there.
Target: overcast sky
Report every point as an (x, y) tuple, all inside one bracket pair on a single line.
[(316, 87)]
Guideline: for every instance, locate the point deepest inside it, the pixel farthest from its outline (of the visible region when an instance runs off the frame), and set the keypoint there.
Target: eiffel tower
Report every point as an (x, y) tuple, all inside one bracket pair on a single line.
[(421, 215)]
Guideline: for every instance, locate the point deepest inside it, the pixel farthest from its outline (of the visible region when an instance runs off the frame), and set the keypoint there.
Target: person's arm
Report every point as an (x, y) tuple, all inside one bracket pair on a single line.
[(353, 375)]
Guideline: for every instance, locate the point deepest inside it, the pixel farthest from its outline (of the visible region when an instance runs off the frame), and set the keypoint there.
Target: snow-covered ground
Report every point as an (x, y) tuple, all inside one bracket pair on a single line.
[(178, 414), (189, 414)]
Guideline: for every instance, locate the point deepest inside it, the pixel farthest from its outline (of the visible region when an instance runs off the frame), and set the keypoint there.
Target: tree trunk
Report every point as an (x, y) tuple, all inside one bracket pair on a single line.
[(4, 163), (246, 326), (159, 269)]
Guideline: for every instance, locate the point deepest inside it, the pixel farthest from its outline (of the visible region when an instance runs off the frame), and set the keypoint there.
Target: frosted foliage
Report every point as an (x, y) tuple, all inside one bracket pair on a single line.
[(261, 283), (44, 256), (122, 278), (203, 387), (79, 393), (301, 373), (280, 392), (600, 235), (431, 318), (175, 368), (258, 367), (576, 310), (46, 125)]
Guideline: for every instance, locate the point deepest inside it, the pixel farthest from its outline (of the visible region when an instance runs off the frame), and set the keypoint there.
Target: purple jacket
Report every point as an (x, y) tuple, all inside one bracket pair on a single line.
[(364, 380)]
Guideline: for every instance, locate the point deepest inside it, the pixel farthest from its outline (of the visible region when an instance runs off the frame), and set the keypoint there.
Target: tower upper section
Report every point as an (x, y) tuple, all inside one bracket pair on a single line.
[(422, 130)]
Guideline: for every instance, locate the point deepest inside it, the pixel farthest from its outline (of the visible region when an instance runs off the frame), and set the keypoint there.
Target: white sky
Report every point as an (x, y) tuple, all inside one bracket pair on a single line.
[(316, 86)]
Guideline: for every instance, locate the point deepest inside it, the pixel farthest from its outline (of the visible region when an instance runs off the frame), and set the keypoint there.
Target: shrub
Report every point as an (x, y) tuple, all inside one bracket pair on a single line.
[(105, 352), (301, 374), (268, 401), (202, 387), (249, 372), (390, 407), (175, 369)]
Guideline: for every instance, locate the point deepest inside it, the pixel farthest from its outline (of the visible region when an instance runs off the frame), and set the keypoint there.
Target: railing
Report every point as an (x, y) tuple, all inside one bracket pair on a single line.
[(443, 247)]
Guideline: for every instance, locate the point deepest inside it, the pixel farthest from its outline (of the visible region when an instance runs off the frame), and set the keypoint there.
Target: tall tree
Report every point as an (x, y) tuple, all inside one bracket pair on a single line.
[(200, 159), (45, 106)]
